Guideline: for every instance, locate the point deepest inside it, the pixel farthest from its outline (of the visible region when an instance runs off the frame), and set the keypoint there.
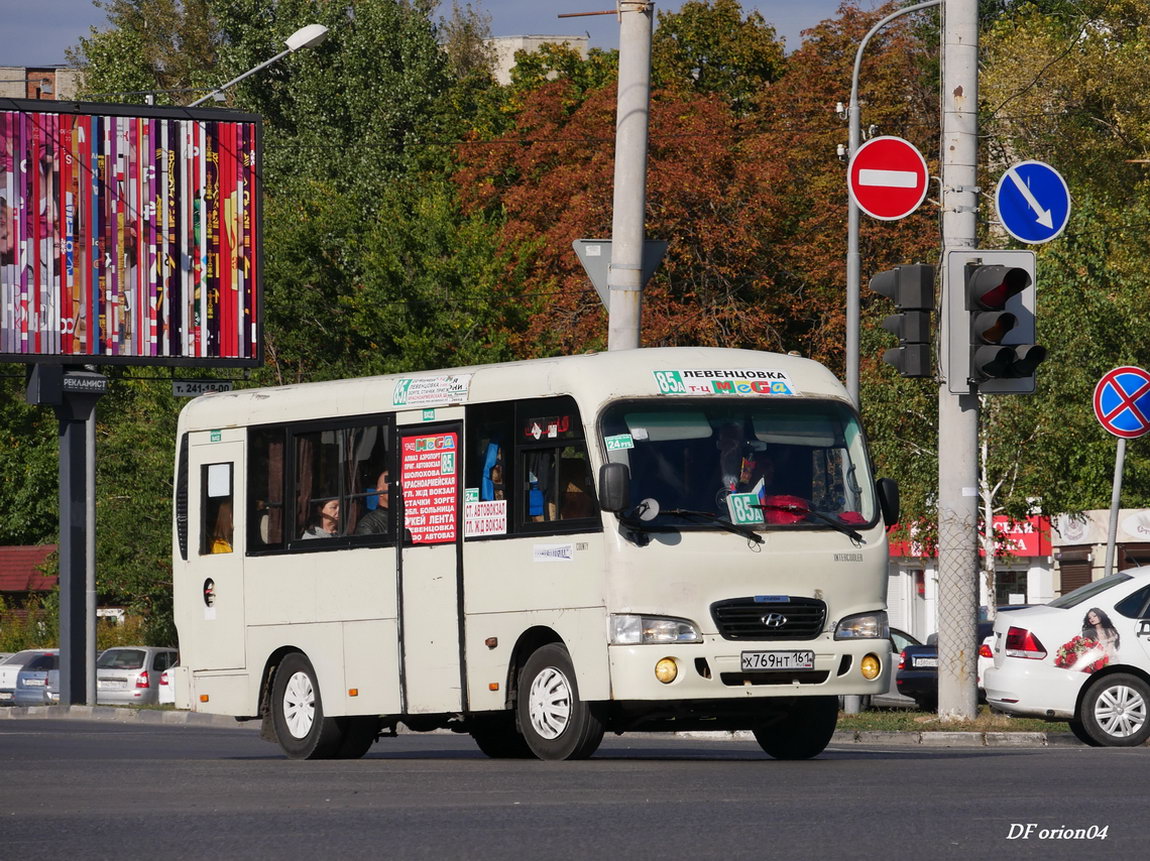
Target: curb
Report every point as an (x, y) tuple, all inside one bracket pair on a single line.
[(936, 739), (120, 714)]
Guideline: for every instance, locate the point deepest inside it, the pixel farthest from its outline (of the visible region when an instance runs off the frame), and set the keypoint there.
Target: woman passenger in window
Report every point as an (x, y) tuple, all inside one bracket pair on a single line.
[(324, 520), (221, 535)]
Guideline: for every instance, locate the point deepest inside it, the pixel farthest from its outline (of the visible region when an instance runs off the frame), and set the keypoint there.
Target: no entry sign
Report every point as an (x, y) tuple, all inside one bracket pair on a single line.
[(887, 178), (1122, 402)]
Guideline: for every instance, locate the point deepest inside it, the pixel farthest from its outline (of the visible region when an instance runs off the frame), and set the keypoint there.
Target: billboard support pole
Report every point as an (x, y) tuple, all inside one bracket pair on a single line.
[(73, 396)]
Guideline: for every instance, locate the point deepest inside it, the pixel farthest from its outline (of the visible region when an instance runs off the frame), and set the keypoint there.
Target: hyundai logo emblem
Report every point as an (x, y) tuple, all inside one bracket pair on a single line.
[(774, 620)]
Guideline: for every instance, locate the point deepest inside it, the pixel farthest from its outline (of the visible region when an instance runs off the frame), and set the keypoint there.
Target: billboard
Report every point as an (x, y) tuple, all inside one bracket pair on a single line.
[(129, 235)]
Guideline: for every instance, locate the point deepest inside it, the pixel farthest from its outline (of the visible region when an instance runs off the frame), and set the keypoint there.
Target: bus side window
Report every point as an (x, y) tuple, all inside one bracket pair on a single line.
[(266, 488), (216, 508)]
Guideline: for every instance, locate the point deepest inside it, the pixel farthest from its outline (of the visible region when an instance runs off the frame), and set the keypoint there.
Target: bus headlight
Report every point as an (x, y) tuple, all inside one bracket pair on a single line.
[(870, 667), (666, 670), (633, 630), (864, 626)]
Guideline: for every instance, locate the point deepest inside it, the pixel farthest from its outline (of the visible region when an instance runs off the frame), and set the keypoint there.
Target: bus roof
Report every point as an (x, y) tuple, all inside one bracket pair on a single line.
[(593, 379)]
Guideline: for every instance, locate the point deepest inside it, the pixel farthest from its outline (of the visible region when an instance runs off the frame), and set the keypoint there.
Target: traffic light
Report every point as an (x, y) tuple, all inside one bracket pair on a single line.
[(911, 287), (991, 325)]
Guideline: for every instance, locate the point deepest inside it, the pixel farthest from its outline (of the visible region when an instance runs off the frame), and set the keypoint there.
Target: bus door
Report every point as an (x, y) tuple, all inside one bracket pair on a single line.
[(430, 561), (217, 605)]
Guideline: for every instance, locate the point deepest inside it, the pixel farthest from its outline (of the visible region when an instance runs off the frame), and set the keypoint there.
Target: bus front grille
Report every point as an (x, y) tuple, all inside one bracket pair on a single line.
[(757, 619)]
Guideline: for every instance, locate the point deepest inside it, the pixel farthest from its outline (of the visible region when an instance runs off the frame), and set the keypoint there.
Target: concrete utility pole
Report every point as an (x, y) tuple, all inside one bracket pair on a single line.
[(958, 414), (625, 276)]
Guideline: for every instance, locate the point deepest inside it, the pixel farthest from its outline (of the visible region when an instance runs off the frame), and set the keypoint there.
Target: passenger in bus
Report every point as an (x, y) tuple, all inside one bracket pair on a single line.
[(379, 518), (576, 500), (221, 535), (324, 521)]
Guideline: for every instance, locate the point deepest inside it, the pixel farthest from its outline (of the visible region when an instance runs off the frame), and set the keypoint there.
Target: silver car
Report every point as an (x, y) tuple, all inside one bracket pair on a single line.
[(38, 682), (9, 669), (130, 675)]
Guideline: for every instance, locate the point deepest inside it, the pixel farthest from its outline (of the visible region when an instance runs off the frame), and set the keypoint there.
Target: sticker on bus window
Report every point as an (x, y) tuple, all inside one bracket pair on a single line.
[(725, 382), (619, 441), (484, 518), (741, 507), (424, 391)]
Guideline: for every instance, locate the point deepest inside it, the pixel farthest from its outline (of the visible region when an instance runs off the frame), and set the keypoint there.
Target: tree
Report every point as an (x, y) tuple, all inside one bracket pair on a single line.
[(161, 47)]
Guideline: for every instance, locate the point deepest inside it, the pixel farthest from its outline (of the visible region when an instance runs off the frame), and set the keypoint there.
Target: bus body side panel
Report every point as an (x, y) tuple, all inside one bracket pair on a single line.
[(209, 594), (548, 581)]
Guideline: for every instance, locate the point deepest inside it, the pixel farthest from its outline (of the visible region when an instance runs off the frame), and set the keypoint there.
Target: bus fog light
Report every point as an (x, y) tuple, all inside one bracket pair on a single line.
[(666, 670), (870, 667)]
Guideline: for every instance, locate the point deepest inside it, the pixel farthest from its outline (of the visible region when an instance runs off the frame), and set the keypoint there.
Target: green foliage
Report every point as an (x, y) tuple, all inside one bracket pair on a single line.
[(163, 47), (29, 467), (709, 47), (31, 627)]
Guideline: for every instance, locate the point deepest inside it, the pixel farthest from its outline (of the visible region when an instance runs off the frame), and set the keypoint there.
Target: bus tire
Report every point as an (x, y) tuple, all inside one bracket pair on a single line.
[(803, 732), (359, 734), (297, 712), (497, 736), (555, 723), (1115, 711)]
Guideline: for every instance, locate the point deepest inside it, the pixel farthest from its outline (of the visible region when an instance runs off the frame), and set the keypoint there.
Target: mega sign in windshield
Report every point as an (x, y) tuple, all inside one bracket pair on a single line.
[(129, 238)]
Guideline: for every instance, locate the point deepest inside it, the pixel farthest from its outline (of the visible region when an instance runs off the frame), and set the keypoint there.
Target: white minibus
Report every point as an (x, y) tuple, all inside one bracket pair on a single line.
[(534, 553)]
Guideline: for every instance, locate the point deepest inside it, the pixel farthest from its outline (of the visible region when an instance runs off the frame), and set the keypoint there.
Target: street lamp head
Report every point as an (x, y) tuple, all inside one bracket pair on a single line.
[(306, 37)]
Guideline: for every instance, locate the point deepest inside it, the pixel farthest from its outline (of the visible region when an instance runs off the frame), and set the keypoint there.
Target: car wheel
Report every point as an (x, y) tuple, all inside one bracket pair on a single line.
[(1081, 734), (497, 736), (555, 723), (926, 704), (297, 711), (803, 731), (1116, 711)]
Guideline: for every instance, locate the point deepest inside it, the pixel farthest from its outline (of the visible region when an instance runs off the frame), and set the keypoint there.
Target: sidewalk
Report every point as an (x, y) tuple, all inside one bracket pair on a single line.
[(841, 737)]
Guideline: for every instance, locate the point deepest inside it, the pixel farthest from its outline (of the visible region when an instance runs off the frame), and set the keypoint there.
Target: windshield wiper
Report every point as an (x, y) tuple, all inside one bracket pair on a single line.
[(710, 517), (795, 508)]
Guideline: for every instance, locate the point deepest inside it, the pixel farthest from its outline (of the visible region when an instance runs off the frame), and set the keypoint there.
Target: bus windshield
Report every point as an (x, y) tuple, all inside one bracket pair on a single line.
[(776, 462)]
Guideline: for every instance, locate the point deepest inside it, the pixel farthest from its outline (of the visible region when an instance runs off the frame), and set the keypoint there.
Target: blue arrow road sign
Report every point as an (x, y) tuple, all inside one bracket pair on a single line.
[(1033, 202)]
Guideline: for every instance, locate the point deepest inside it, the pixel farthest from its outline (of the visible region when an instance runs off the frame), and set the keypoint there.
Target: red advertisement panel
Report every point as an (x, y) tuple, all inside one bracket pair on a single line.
[(128, 238), (429, 472)]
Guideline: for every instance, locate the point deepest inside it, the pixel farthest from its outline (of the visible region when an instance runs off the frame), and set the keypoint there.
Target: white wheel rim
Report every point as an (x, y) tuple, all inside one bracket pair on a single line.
[(549, 703), (1120, 711), (299, 704)]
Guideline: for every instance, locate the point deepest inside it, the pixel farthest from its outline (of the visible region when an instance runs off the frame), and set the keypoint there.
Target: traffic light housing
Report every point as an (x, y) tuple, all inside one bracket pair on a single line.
[(991, 322), (911, 288)]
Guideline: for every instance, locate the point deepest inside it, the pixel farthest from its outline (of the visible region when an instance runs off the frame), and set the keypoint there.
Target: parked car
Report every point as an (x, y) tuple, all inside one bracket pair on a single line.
[(9, 669), (38, 682), (1084, 657), (130, 675), (917, 675)]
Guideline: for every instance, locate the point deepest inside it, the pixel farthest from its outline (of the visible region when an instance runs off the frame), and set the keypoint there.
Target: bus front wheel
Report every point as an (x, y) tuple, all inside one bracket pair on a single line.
[(555, 723), (297, 712), (803, 732)]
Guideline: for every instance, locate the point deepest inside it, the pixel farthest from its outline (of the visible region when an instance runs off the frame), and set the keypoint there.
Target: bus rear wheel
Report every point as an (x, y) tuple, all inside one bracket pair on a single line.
[(555, 723), (297, 712), (803, 732)]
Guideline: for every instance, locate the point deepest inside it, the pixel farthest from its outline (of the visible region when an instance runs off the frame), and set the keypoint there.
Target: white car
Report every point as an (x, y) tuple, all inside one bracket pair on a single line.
[(1084, 657)]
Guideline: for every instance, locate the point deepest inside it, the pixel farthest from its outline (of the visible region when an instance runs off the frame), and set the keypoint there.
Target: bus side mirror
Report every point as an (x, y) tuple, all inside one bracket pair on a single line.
[(614, 487), (887, 489)]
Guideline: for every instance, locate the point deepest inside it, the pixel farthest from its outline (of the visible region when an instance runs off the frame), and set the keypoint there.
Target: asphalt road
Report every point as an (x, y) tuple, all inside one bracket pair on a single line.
[(88, 789)]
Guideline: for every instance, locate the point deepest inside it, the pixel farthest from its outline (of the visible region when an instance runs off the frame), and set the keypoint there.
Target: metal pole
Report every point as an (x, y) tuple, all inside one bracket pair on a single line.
[(90, 559), (625, 274), (1115, 500), (958, 414), (853, 267), (223, 87)]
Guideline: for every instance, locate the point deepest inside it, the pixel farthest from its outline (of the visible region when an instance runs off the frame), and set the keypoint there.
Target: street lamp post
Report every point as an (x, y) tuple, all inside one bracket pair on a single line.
[(304, 37), (853, 210)]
